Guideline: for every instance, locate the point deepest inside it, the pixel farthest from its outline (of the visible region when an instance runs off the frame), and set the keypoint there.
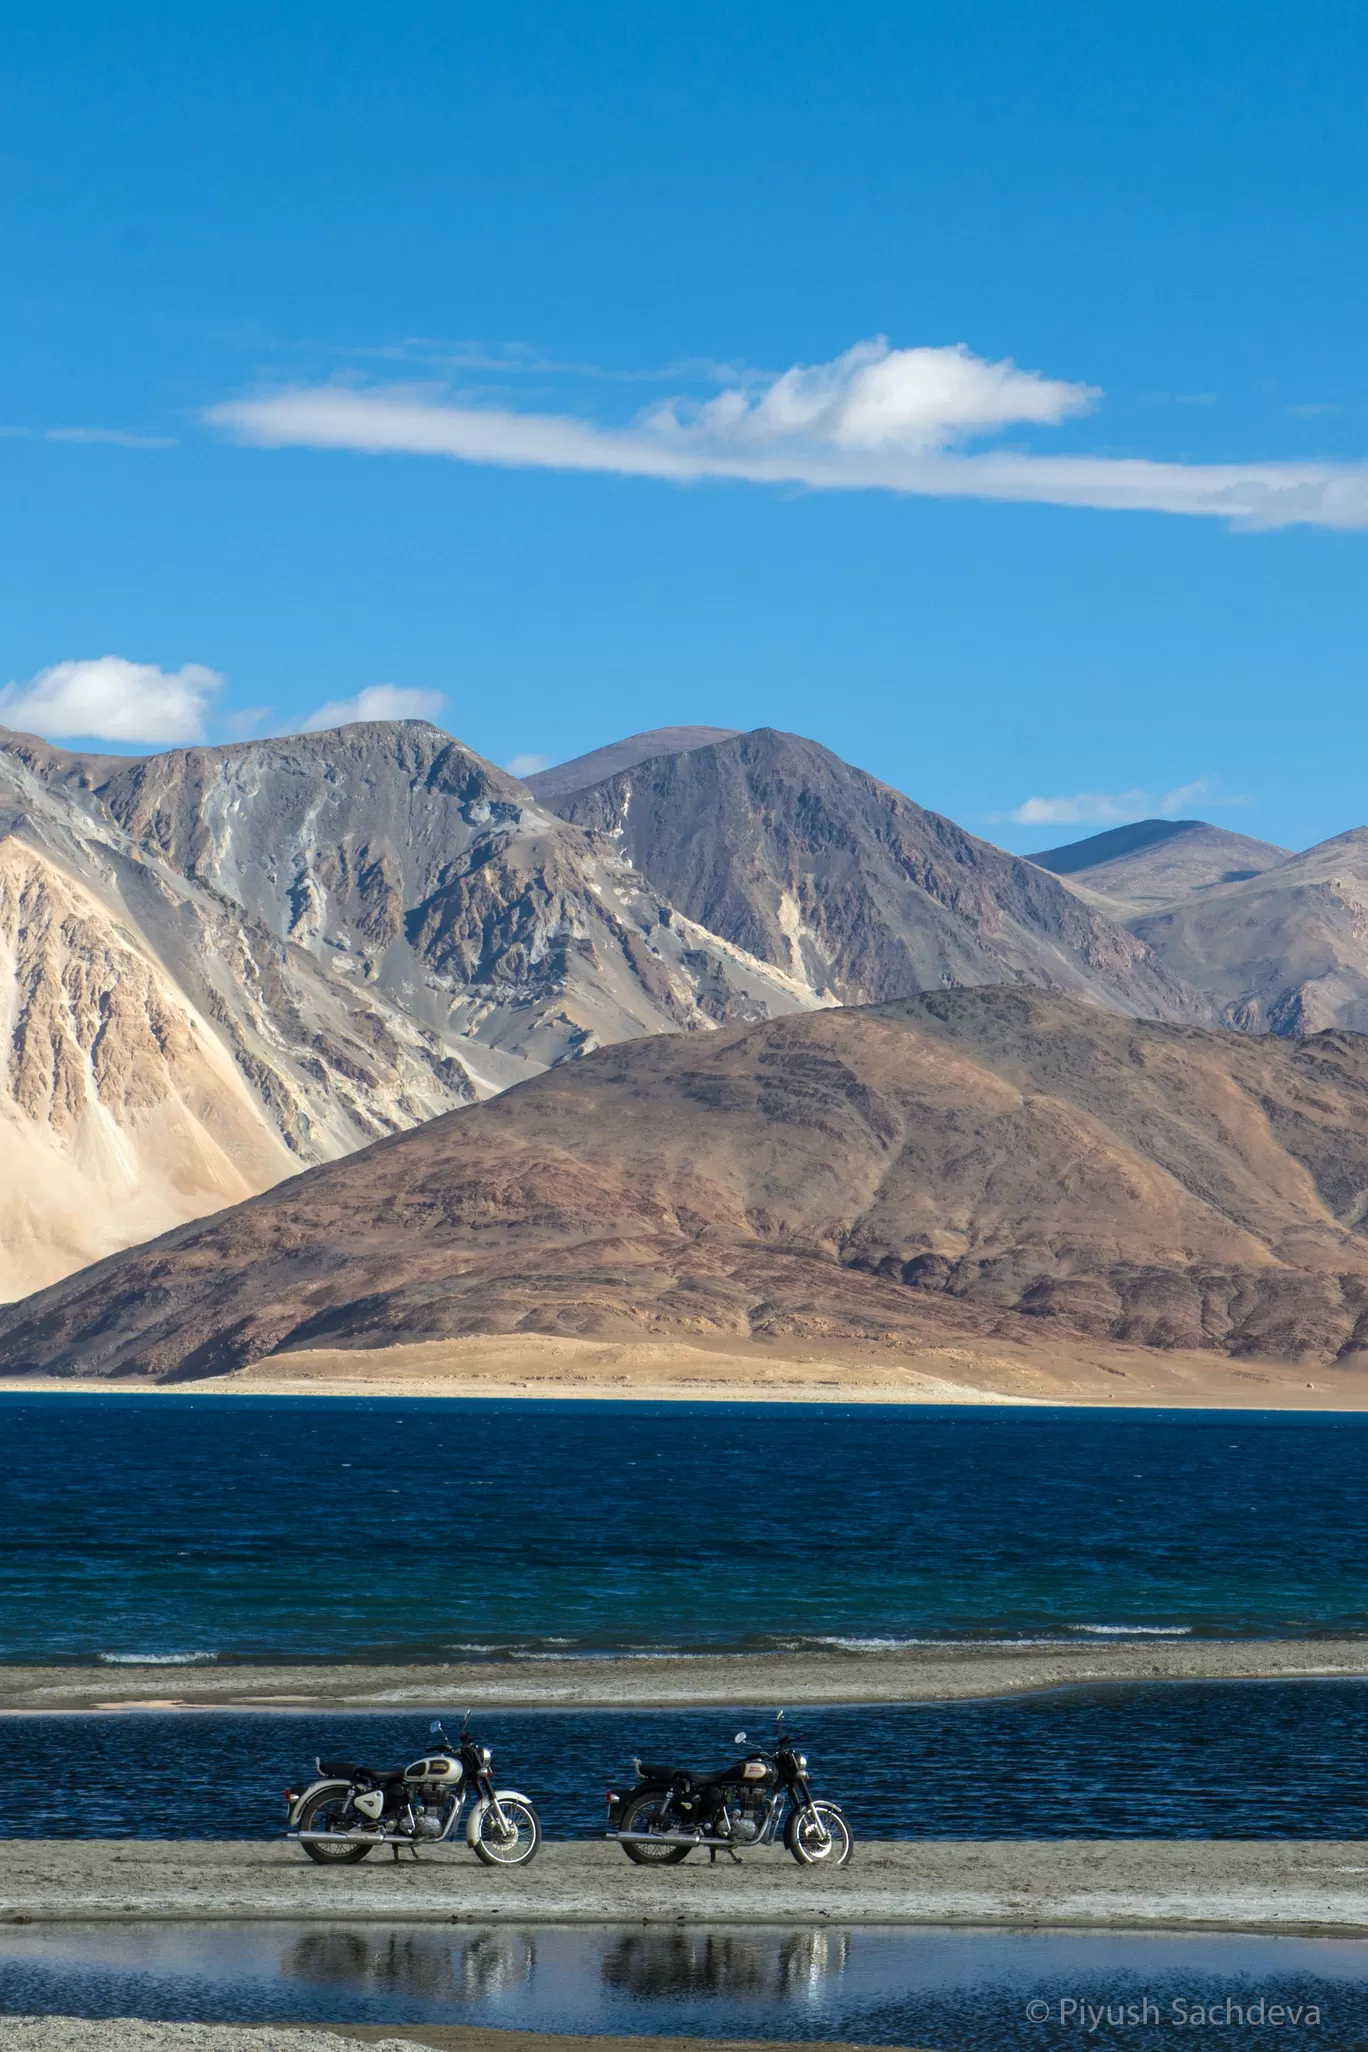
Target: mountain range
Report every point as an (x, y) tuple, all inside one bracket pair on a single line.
[(221, 966)]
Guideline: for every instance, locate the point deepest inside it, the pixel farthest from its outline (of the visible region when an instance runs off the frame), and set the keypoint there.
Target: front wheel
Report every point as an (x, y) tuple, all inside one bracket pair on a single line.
[(325, 1812), (647, 1813), (813, 1843), (512, 1843)]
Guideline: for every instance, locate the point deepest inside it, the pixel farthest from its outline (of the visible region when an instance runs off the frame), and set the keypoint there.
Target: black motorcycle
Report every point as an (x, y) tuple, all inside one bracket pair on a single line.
[(350, 1808), (672, 1810)]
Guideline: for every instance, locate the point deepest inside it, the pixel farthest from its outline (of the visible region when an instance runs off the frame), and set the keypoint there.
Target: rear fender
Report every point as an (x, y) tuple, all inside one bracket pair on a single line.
[(314, 1788), (505, 1795)]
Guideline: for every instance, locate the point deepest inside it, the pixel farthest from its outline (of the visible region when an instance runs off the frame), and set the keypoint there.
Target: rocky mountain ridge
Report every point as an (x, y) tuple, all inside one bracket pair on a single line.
[(822, 871), (1155, 862)]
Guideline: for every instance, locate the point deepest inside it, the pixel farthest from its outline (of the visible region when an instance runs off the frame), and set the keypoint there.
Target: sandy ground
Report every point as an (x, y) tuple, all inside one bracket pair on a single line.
[(987, 1372), (1121, 1883), (131, 2034), (929, 1673)]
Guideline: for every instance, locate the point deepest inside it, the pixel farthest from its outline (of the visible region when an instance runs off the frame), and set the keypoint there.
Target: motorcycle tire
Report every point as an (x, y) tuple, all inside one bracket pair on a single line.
[(516, 1850), (637, 1817), (328, 1855), (811, 1851)]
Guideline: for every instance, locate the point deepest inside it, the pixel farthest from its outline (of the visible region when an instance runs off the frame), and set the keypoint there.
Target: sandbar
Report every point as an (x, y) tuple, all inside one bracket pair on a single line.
[(1104, 1375), (1113, 1884), (910, 1673)]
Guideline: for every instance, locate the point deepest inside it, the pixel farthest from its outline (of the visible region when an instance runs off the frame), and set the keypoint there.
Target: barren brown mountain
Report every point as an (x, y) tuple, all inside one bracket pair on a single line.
[(988, 1162)]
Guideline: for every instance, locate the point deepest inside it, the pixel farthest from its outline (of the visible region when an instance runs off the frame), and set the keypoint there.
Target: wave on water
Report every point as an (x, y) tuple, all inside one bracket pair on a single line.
[(1135, 1631), (852, 1643), (154, 1659)]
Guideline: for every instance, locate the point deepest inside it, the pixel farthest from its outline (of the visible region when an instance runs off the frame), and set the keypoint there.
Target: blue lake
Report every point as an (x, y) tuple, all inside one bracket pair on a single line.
[(242, 1528)]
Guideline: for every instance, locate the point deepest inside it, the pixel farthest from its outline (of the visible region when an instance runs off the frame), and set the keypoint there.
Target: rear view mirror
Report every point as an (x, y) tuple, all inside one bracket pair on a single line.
[(435, 1725), (740, 1739)]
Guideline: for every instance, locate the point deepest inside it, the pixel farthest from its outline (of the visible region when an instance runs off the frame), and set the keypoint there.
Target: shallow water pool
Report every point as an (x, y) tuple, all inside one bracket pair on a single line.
[(974, 1991)]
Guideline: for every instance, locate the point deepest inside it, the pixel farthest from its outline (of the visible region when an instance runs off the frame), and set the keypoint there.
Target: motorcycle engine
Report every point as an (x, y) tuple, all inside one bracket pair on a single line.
[(745, 1818), (428, 1823)]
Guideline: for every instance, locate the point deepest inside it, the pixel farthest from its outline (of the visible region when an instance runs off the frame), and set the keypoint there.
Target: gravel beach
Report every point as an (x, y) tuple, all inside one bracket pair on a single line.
[(935, 1672), (133, 2034), (1191, 1884)]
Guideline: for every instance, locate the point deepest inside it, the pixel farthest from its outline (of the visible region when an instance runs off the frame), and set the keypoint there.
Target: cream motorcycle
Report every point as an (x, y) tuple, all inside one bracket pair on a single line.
[(350, 1809)]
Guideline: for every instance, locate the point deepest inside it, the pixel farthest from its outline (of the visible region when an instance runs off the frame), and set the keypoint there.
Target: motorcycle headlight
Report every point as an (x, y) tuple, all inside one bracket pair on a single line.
[(485, 1756), (800, 1762)]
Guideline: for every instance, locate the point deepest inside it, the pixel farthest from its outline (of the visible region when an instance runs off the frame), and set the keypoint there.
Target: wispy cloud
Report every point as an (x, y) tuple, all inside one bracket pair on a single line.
[(527, 765), (119, 438), (876, 418), (376, 702), (1119, 808), (112, 699)]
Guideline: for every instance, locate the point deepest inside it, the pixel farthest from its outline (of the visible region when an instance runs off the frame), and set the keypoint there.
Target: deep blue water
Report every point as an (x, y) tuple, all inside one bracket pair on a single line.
[(1162, 1760), (975, 1991), (262, 1528)]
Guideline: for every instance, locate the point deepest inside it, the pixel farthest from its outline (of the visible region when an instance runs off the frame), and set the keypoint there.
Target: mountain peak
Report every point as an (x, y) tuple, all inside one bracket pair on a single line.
[(582, 770), (1154, 862)]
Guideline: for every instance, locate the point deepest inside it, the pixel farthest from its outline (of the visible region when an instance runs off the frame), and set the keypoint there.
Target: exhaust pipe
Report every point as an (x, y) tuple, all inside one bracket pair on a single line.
[(348, 1838)]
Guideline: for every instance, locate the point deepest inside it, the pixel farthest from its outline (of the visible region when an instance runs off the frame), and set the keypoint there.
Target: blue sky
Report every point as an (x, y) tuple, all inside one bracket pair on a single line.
[(476, 353)]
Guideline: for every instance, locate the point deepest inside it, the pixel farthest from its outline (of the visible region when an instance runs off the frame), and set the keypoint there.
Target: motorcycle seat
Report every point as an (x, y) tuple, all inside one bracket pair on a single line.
[(654, 1770), (352, 1770)]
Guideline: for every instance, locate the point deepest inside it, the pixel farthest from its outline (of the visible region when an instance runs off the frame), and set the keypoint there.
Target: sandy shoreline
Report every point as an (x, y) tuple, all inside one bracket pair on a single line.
[(545, 1366), (906, 1674), (1114, 1884)]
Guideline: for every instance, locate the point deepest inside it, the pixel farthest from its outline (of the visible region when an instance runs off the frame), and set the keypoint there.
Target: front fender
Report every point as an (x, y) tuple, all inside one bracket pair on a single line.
[(510, 1795), (314, 1788)]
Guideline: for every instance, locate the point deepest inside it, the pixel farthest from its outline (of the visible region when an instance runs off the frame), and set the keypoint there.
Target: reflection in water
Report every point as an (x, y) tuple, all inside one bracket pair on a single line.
[(650, 1964), (426, 1965)]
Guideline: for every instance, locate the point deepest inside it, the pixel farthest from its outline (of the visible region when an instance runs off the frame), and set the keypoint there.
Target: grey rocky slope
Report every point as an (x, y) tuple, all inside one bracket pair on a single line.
[(1283, 952), (1155, 862), (620, 755), (833, 877), (1277, 942), (220, 964)]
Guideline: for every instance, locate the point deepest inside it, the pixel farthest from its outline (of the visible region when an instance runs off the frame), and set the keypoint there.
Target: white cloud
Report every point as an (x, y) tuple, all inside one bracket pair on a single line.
[(376, 702), (527, 765), (1119, 808), (875, 418), (111, 699)]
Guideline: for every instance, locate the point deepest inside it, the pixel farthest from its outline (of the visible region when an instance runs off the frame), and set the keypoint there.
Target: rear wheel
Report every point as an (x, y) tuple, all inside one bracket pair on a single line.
[(512, 1843), (827, 1843), (325, 1812), (647, 1813)]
